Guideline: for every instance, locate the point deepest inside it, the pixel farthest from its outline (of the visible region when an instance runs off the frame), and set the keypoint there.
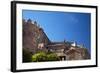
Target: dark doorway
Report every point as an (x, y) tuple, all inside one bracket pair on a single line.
[(62, 58)]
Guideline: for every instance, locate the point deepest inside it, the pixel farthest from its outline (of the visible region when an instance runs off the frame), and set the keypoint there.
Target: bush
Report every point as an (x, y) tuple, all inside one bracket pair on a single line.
[(39, 57), (42, 57), (52, 57)]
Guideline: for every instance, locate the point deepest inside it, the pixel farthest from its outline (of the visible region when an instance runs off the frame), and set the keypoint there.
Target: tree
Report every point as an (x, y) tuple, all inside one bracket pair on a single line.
[(86, 54), (26, 56)]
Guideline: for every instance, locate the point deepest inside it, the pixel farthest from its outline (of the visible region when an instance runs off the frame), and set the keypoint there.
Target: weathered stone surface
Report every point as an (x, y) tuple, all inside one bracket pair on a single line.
[(32, 36)]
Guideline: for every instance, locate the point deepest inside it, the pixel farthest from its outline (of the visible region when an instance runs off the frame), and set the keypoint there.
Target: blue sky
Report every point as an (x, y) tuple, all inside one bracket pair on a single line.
[(58, 26)]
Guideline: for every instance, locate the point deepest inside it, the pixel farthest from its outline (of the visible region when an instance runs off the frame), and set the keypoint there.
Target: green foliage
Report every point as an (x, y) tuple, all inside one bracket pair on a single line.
[(52, 57), (39, 57), (26, 56), (43, 56), (87, 54)]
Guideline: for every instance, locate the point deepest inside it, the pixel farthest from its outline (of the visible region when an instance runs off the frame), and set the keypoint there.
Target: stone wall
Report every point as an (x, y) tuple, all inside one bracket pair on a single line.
[(33, 35)]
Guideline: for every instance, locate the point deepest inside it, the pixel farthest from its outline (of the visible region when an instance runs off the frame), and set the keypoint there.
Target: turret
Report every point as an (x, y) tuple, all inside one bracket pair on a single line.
[(35, 22), (29, 21)]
